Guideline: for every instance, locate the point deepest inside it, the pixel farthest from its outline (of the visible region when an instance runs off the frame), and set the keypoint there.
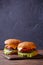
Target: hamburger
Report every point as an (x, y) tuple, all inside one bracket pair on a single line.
[(11, 46), (27, 49)]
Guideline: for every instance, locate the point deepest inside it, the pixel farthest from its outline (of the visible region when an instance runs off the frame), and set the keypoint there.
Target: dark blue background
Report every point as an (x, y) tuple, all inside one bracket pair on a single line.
[(21, 19)]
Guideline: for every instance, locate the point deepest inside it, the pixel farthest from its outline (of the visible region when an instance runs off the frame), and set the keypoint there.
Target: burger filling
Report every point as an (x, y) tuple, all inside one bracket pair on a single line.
[(10, 50), (27, 52)]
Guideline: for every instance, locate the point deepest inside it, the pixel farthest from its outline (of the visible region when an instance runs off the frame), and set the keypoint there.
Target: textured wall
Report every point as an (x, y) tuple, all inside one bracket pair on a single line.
[(22, 19)]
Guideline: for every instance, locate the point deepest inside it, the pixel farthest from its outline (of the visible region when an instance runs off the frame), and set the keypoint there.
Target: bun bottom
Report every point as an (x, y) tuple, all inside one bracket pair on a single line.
[(9, 52), (32, 54)]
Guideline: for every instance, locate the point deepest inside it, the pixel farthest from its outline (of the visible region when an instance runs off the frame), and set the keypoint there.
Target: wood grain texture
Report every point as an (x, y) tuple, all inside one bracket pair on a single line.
[(21, 62)]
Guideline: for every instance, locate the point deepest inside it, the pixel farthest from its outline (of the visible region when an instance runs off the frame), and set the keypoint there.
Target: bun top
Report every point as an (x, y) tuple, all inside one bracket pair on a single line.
[(28, 45), (12, 41)]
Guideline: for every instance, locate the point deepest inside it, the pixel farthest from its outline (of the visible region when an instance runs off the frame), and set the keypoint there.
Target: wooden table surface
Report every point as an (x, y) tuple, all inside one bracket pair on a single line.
[(4, 61)]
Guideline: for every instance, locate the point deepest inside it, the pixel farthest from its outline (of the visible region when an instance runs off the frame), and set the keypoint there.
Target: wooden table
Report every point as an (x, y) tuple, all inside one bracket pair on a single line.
[(4, 61)]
